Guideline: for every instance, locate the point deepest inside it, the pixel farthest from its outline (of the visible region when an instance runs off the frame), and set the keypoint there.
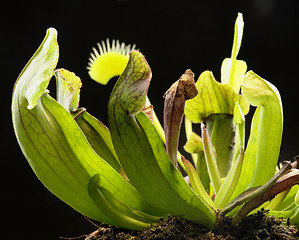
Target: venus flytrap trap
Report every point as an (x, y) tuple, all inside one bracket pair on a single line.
[(128, 175), (112, 62)]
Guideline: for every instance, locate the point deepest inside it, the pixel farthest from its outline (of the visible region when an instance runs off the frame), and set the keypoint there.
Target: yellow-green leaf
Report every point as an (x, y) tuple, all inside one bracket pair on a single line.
[(213, 98), (68, 89)]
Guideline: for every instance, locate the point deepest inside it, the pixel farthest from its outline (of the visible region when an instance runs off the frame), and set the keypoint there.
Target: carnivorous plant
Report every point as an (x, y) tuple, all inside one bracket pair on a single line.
[(129, 174)]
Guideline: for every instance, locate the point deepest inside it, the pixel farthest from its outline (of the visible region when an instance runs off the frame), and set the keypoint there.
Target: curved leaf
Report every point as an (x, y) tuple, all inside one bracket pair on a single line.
[(213, 98), (263, 146), (196, 183), (230, 182), (194, 144), (210, 158), (98, 136), (138, 146), (117, 210), (54, 145), (33, 81), (68, 89), (232, 69), (268, 131)]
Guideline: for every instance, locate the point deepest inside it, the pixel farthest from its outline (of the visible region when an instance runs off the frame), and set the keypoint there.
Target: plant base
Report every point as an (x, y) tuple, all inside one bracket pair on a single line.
[(256, 226)]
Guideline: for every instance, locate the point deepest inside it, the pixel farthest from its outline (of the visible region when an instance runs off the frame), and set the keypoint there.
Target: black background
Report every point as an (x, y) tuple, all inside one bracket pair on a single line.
[(173, 36)]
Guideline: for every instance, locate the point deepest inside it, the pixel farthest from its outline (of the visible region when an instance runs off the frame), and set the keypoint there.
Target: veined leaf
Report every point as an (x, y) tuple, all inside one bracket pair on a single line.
[(213, 98), (268, 131), (117, 210), (232, 71), (173, 177), (263, 146), (141, 151), (98, 136), (68, 89), (55, 146)]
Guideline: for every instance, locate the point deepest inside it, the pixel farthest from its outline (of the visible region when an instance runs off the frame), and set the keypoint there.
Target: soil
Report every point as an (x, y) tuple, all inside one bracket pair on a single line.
[(256, 226)]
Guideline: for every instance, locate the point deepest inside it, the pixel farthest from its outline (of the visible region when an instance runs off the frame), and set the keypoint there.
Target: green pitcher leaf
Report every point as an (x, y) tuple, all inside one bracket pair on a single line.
[(268, 131), (98, 135), (230, 182), (275, 203), (191, 203), (213, 98), (283, 214), (239, 121), (211, 161), (263, 146), (232, 72), (37, 131), (254, 193), (55, 146), (238, 34), (194, 144), (202, 170), (34, 80), (196, 183), (221, 128), (232, 69), (123, 215), (284, 179), (68, 89), (93, 164), (289, 199), (141, 151), (295, 218), (297, 199)]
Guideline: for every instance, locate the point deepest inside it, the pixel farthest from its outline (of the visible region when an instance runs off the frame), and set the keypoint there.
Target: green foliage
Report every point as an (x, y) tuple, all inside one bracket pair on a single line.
[(123, 175)]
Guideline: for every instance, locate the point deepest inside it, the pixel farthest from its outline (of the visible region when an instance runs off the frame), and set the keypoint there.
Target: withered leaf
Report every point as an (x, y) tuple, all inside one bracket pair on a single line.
[(149, 112), (174, 104)]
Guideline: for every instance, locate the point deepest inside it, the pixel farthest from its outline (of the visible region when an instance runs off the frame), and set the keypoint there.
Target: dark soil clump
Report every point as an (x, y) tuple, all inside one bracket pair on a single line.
[(256, 226)]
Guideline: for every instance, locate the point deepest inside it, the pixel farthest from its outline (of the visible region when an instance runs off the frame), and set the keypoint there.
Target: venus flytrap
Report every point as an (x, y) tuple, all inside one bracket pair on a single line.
[(112, 62), (127, 175)]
